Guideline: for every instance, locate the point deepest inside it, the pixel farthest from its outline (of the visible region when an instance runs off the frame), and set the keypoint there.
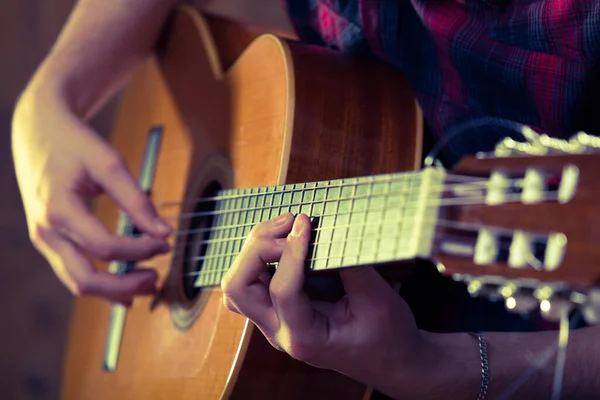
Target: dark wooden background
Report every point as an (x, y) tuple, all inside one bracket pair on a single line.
[(34, 306)]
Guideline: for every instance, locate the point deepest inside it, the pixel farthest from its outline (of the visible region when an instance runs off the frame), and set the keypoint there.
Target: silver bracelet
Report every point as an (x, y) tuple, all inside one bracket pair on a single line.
[(485, 368)]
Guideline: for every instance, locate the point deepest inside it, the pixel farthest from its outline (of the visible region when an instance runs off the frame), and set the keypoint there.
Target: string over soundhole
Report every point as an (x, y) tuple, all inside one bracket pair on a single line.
[(196, 240)]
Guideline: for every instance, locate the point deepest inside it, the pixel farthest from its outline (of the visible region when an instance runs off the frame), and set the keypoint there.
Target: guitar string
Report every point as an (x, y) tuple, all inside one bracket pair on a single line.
[(408, 206), (401, 209), (396, 238), (565, 324), (358, 181), (434, 189), (445, 223), (175, 255), (324, 228)]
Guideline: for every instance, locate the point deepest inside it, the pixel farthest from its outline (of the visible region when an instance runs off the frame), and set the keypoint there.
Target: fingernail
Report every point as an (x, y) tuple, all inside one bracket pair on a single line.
[(162, 226), (280, 219), (298, 227), (164, 248), (149, 279)]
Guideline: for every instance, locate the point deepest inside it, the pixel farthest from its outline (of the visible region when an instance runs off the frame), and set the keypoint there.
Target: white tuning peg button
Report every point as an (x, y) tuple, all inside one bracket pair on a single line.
[(521, 304), (496, 189), (555, 251), (553, 309), (520, 250), (591, 314), (486, 247), (591, 308), (533, 186), (568, 184)]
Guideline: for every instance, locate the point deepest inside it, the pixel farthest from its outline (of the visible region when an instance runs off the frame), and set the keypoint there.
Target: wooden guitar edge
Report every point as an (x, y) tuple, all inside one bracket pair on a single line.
[(219, 72)]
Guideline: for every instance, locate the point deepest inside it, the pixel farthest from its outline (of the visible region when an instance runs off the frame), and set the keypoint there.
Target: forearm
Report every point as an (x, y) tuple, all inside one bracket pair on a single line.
[(100, 45), (526, 358)]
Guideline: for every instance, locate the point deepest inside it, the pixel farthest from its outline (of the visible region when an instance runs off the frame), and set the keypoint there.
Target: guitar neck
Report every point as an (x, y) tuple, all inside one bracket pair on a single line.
[(356, 221)]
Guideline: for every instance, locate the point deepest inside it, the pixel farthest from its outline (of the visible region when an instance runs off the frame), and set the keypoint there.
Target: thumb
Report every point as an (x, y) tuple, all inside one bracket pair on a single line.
[(365, 288), (121, 186)]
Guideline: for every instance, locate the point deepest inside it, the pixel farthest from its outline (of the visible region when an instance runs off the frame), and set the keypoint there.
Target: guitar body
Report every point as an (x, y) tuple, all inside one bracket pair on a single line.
[(276, 112)]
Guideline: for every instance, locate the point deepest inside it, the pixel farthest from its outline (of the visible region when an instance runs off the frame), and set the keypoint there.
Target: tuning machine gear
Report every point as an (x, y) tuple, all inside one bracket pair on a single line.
[(542, 144)]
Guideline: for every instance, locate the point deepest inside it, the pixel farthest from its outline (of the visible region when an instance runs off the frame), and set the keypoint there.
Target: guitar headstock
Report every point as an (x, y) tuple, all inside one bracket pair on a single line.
[(522, 225)]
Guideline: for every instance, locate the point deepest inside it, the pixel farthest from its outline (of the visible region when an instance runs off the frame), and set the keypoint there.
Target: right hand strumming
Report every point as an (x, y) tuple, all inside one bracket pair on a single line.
[(59, 161)]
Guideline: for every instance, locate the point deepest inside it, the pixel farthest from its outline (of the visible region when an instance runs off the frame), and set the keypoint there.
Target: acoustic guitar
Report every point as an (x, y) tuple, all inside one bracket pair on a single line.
[(227, 127)]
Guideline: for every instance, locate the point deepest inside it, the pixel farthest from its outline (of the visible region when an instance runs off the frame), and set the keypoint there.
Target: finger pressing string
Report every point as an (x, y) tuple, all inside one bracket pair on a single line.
[(121, 186), (291, 303)]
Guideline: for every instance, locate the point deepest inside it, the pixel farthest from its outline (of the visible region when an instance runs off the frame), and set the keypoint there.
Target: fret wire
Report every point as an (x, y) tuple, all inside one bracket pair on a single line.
[(334, 223), (433, 190), (270, 208), (236, 229), (209, 248), (362, 232), (279, 204), (223, 235), (382, 217), (252, 206), (214, 249), (247, 226), (215, 266), (400, 220), (310, 213), (227, 233), (347, 230)]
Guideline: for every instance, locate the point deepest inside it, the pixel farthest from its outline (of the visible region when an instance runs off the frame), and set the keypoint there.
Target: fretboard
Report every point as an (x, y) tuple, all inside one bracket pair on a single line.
[(356, 221)]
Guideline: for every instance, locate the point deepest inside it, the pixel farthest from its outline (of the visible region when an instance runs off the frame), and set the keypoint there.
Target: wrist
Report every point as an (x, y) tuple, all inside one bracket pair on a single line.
[(36, 97), (449, 367), (455, 364), (53, 83)]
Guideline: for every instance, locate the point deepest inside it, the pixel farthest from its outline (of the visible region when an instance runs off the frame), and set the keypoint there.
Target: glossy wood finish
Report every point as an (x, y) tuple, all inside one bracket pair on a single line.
[(282, 113), (578, 219)]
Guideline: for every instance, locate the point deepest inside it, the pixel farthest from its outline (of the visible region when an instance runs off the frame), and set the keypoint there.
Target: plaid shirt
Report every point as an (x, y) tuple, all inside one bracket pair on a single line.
[(530, 61)]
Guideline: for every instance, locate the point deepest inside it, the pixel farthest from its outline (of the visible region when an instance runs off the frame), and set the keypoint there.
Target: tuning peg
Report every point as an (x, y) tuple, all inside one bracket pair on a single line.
[(477, 288), (521, 304), (553, 309), (591, 307), (542, 144), (586, 143), (517, 299), (552, 304)]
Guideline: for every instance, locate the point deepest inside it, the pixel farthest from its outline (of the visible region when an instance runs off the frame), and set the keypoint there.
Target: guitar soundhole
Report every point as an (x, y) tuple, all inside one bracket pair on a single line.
[(196, 239)]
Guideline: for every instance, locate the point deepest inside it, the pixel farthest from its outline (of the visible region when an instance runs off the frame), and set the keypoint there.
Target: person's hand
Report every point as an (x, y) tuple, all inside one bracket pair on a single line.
[(367, 335), (59, 160)]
